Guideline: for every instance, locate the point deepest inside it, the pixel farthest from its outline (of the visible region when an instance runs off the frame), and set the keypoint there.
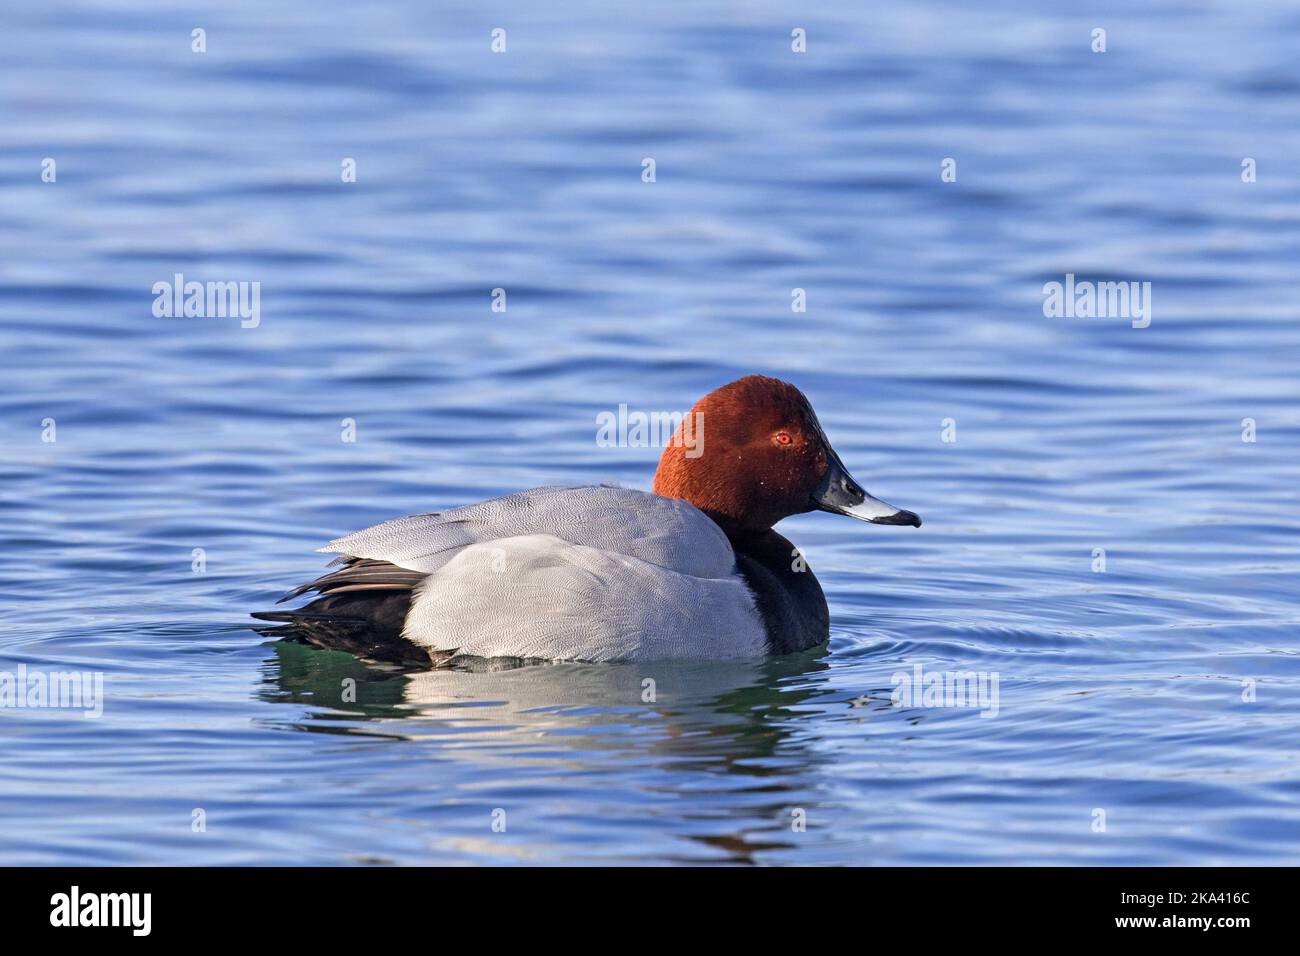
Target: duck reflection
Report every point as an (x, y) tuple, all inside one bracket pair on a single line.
[(710, 721)]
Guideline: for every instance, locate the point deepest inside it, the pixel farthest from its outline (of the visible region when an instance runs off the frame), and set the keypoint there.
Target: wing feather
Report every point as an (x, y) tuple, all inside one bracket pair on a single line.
[(664, 531)]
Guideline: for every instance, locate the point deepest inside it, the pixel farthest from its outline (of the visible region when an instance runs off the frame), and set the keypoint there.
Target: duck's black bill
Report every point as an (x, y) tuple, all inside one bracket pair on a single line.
[(898, 517), (839, 494)]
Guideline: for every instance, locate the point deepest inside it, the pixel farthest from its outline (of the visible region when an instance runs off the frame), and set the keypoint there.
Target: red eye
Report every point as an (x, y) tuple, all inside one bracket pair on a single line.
[(782, 438)]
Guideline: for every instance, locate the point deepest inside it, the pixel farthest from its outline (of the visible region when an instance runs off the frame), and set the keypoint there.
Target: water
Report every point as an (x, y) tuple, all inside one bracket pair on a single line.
[(1120, 691)]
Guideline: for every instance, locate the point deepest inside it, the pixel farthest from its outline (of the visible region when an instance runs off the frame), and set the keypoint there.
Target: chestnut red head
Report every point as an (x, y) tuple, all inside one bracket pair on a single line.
[(753, 453)]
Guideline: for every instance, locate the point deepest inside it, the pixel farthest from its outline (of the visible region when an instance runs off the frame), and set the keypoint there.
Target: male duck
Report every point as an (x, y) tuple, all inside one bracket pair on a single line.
[(599, 573)]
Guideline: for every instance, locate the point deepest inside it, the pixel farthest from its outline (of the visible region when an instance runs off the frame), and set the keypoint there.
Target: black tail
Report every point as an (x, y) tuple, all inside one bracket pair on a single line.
[(361, 609)]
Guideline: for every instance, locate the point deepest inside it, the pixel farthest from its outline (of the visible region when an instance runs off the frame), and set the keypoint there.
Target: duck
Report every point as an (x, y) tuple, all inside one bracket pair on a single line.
[(691, 570)]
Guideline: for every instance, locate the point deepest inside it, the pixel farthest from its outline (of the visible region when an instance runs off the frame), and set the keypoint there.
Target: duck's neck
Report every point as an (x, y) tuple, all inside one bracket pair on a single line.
[(676, 479), (786, 591)]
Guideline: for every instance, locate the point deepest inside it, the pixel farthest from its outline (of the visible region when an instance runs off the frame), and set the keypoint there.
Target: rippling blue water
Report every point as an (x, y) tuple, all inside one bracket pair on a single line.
[(1125, 691)]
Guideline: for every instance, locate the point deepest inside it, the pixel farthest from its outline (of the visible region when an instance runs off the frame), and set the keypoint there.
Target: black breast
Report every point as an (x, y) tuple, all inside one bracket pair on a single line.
[(790, 600)]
